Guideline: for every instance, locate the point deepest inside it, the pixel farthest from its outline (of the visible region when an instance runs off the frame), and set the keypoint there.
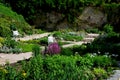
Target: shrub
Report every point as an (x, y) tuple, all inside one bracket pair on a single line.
[(36, 50), (53, 48), (8, 18), (66, 51), (10, 43), (1, 40), (95, 30), (55, 67), (65, 67), (34, 68), (102, 42), (10, 46), (102, 61), (100, 73), (44, 41), (69, 36), (108, 28), (5, 31)]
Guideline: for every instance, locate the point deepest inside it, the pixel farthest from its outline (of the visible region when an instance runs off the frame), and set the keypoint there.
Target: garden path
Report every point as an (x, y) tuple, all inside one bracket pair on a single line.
[(12, 58), (34, 36), (116, 75)]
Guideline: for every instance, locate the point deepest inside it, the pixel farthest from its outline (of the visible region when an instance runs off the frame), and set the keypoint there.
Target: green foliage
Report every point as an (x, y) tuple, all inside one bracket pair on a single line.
[(67, 35), (2, 40), (43, 41), (112, 11), (34, 68), (56, 67), (100, 73), (8, 18), (66, 51), (70, 8), (26, 47), (4, 28), (101, 44), (36, 50), (108, 28), (10, 46), (102, 61), (10, 43), (77, 49), (95, 30)]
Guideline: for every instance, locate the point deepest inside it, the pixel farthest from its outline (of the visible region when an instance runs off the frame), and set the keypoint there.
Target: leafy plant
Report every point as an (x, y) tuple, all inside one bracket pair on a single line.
[(36, 50), (10, 43), (108, 28), (102, 61), (26, 47), (54, 67), (8, 18), (100, 73)]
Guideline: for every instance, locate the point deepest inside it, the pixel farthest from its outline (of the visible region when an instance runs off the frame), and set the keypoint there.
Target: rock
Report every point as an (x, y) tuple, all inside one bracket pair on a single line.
[(91, 18), (63, 25), (54, 17), (48, 21)]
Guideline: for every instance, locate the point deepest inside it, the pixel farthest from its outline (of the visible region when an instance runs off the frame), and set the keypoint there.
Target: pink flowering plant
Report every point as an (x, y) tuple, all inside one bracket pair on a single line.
[(53, 48)]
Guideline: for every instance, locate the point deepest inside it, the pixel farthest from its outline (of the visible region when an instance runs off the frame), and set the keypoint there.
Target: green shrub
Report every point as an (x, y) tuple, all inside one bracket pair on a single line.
[(100, 73), (9, 18), (26, 47), (1, 41), (10, 46), (102, 61), (66, 51), (69, 36), (55, 67), (108, 28), (10, 43), (34, 68), (101, 44), (5, 31), (65, 67), (36, 50), (43, 41), (95, 30)]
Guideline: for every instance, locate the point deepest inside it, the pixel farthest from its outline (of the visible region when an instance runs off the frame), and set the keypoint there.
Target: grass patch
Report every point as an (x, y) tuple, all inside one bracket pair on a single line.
[(26, 47), (68, 36)]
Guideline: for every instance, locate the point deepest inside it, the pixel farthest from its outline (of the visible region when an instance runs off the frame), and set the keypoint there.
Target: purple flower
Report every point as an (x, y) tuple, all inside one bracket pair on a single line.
[(53, 48)]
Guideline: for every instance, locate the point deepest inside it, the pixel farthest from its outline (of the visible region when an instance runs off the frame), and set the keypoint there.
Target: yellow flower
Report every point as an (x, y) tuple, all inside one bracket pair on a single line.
[(5, 71), (24, 74)]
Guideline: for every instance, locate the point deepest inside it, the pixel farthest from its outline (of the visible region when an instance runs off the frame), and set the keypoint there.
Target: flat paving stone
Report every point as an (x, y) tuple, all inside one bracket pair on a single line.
[(115, 76), (13, 58)]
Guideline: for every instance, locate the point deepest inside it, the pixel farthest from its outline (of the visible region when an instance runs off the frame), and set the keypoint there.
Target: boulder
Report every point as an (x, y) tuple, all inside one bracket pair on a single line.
[(91, 18), (48, 21)]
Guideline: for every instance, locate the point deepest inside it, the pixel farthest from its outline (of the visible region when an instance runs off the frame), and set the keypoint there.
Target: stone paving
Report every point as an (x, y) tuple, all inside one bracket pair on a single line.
[(34, 36), (13, 58), (115, 76)]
